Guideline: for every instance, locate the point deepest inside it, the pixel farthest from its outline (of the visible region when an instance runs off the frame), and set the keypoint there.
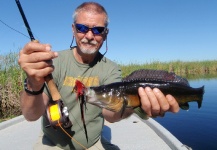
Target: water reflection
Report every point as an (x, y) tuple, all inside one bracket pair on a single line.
[(196, 128)]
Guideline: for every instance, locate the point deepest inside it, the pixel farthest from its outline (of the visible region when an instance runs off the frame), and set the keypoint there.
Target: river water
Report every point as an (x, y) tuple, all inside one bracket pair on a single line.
[(196, 128)]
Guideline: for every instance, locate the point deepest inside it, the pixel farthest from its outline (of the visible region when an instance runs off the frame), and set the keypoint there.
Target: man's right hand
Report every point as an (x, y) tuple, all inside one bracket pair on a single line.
[(36, 60)]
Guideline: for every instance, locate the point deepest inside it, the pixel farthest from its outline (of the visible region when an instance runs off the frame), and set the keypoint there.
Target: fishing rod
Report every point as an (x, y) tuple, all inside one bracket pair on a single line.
[(25, 20), (56, 111)]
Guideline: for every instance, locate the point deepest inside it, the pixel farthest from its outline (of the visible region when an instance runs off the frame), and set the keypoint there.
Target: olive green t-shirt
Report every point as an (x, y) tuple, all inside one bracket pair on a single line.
[(101, 71)]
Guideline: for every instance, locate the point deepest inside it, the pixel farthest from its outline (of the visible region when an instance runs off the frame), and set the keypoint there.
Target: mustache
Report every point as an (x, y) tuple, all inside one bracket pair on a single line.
[(86, 41)]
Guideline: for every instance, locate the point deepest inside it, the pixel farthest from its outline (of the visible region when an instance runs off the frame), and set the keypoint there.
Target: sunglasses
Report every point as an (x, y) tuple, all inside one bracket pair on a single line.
[(84, 29)]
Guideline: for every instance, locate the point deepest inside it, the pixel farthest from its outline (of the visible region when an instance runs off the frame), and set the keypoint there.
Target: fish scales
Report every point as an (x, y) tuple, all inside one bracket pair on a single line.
[(155, 75)]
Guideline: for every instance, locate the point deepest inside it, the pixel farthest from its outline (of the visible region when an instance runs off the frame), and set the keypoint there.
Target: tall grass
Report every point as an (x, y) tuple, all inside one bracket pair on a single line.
[(190, 70), (10, 85)]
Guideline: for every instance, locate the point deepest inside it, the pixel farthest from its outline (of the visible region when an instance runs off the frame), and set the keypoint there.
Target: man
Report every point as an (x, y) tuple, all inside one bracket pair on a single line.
[(86, 63)]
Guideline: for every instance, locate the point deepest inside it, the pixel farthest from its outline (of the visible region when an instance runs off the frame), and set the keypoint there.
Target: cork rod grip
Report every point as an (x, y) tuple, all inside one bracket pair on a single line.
[(52, 87)]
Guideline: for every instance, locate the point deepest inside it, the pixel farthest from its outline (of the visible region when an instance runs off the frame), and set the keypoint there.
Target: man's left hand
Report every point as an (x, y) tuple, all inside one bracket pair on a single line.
[(155, 103)]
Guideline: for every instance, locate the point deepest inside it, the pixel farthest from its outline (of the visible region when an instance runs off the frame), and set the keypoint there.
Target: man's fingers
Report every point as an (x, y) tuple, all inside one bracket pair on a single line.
[(164, 105), (40, 74), (155, 107), (41, 56), (174, 106), (145, 103), (35, 47), (38, 66), (37, 57)]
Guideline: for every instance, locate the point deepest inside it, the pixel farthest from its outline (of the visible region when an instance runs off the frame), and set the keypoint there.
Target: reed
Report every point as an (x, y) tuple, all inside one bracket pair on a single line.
[(190, 70), (10, 85)]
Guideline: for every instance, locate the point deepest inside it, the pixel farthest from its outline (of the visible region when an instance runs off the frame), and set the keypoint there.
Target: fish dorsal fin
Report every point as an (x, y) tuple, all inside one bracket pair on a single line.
[(155, 75)]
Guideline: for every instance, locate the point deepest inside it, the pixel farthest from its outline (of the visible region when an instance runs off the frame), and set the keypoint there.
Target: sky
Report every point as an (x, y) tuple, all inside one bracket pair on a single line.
[(140, 31)]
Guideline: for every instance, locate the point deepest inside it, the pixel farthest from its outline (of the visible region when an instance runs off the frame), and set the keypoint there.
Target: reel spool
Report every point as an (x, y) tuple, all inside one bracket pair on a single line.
[(57, 115)]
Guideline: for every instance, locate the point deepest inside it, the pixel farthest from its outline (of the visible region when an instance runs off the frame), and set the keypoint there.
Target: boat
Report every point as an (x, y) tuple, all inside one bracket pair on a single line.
[(127, 134)]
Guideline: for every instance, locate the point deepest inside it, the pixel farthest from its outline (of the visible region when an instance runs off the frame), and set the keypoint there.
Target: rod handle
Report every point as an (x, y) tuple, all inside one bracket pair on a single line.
[(52, 87)]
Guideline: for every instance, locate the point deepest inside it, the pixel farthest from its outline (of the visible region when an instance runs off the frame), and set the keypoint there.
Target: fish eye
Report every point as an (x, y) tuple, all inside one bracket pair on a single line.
[(104, 95)]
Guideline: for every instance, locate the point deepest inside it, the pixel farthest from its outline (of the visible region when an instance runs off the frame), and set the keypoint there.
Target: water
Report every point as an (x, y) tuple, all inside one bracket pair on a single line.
[(196, 128)]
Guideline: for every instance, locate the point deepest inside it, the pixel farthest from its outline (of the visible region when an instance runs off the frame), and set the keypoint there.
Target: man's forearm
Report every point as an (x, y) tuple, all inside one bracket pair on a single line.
[(33, 106), (111, 116)]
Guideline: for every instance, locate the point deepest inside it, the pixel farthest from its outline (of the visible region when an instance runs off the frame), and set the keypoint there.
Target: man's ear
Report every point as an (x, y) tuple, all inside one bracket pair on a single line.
[(73, 28), (107, 31), (105, 34)]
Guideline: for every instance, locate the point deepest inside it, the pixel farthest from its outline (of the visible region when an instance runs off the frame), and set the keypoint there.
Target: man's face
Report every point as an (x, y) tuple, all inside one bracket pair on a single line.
[(89, 43)]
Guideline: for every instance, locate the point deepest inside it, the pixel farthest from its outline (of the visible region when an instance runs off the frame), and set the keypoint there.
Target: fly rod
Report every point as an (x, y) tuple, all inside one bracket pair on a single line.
[(49, 78)]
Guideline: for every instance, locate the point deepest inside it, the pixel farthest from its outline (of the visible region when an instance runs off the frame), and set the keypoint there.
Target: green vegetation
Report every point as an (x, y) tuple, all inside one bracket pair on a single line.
[(11, 78), (190, 70)]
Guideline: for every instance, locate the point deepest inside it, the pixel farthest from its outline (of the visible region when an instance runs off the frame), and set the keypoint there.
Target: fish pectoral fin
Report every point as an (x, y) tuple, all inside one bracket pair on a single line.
[(184, 106), (123, 108), (116, 107)]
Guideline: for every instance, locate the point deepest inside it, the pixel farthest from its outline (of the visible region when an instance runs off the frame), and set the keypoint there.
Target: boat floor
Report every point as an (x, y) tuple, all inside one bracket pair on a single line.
[(128, 134)]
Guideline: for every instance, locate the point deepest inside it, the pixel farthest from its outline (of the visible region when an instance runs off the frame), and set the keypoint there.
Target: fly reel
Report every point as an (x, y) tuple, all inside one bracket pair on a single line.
[(57, 115)]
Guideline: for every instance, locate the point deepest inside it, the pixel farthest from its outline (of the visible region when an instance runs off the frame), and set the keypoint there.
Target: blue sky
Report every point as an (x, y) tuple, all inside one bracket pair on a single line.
[(140, 31)]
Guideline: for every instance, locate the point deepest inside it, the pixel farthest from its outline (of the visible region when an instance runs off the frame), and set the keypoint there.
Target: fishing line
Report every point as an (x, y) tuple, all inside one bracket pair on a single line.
[(82, 80), (83, 131), (13, 29), (71, 136)]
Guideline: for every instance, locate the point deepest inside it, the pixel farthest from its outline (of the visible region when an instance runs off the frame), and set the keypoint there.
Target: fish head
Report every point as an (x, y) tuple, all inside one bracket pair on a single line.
[(110, 100)]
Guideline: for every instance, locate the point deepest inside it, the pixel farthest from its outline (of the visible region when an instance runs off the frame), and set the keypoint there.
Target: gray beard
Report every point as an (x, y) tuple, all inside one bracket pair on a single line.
[(88, 51)]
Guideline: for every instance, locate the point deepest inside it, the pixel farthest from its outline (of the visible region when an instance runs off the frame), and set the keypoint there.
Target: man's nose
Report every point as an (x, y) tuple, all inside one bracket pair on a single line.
[(89, 35)]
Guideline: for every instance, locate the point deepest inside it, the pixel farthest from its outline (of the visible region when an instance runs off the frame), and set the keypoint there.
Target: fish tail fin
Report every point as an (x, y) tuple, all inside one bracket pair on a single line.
[(199, 102)]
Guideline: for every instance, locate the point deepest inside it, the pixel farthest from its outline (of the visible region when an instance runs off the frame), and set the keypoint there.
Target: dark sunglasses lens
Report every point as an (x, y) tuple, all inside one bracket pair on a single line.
[(84, 29), (81, 28), (98, 30)]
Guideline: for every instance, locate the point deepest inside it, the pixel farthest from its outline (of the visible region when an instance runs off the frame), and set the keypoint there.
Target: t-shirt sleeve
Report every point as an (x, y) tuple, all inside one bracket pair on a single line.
[(113, 74)]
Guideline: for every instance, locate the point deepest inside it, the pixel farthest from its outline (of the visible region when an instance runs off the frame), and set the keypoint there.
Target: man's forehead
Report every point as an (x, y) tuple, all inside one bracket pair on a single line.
[(91, 13), (91, 17)]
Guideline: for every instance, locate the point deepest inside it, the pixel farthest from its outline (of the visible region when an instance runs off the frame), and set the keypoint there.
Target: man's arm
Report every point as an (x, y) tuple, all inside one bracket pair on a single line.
[(111, 116), (33, 106)]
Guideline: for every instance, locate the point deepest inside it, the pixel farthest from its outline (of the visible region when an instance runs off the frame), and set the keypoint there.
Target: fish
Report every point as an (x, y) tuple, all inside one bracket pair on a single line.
[(124, 94)]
